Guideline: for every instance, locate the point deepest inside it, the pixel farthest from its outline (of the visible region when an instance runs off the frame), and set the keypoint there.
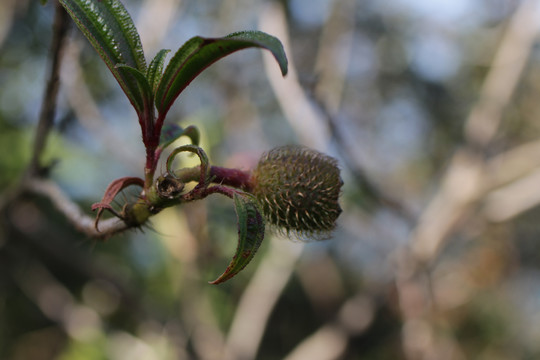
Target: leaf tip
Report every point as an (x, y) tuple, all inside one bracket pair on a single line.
[(250, 236)]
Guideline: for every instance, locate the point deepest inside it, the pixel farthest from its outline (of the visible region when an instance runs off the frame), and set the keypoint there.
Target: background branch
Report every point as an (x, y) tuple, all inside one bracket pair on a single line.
[(73, 212), (48, 106), (462, 185)]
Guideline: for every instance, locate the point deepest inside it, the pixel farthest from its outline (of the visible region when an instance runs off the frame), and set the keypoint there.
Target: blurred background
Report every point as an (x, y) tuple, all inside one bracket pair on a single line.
[(431, 108)]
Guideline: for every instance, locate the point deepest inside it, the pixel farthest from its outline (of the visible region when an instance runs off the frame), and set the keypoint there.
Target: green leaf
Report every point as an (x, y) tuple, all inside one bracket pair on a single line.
[(250, 235), (155, 69), (110, 30), (171, 132), (199, 53), (141, 81)]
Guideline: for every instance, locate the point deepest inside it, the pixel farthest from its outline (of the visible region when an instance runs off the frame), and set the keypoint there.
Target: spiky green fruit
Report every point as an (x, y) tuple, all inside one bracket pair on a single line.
[(298, 190)]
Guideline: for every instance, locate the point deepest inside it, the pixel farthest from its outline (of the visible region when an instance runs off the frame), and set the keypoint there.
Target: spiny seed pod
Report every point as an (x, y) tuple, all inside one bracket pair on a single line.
[(298, 190)]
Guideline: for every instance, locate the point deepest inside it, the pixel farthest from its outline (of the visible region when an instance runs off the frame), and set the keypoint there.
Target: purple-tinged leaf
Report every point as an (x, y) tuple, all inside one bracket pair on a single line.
[(110, 193), (250, 235), (198, 53)]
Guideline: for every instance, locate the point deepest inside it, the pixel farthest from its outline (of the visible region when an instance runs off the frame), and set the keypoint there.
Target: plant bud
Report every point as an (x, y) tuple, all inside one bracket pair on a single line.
[(298, 190)]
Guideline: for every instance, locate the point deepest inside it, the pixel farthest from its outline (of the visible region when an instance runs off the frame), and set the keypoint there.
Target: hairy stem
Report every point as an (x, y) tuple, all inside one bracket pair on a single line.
[(235, 178), (150, 166), (151, 142), (232, 177), (151, 129)]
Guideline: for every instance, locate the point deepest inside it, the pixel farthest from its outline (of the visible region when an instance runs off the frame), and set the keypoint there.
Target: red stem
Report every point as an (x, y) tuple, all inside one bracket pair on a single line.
[(151, 133), (159, 124), (232, 177)]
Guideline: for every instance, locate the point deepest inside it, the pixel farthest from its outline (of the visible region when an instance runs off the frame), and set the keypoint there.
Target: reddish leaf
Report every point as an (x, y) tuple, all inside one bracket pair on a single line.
[(112, 190)]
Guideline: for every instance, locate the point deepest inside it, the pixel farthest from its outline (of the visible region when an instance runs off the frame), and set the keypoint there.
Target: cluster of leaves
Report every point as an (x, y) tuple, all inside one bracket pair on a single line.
[(152, 89)]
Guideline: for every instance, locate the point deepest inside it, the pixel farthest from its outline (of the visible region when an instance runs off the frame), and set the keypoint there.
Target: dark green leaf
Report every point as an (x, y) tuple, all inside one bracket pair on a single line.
[(155, 69), (110, 30), (199, 53), (141, 81), (250, 235), (171, 132)]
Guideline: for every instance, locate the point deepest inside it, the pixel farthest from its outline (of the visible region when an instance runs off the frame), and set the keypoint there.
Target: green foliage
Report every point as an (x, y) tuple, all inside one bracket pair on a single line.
[(155, 69), (198, 53), (110, 30), (143, 86), (250, 235)]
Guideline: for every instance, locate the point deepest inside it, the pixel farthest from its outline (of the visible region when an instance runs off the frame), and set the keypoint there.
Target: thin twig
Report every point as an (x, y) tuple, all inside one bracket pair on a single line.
[(48, 107)]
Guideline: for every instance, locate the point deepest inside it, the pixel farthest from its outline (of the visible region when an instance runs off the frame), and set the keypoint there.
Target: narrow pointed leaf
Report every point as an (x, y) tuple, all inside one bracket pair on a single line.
[(142, 83), (110, 30), (250, 235), (155, 69), (172, 132), (199, 53)]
